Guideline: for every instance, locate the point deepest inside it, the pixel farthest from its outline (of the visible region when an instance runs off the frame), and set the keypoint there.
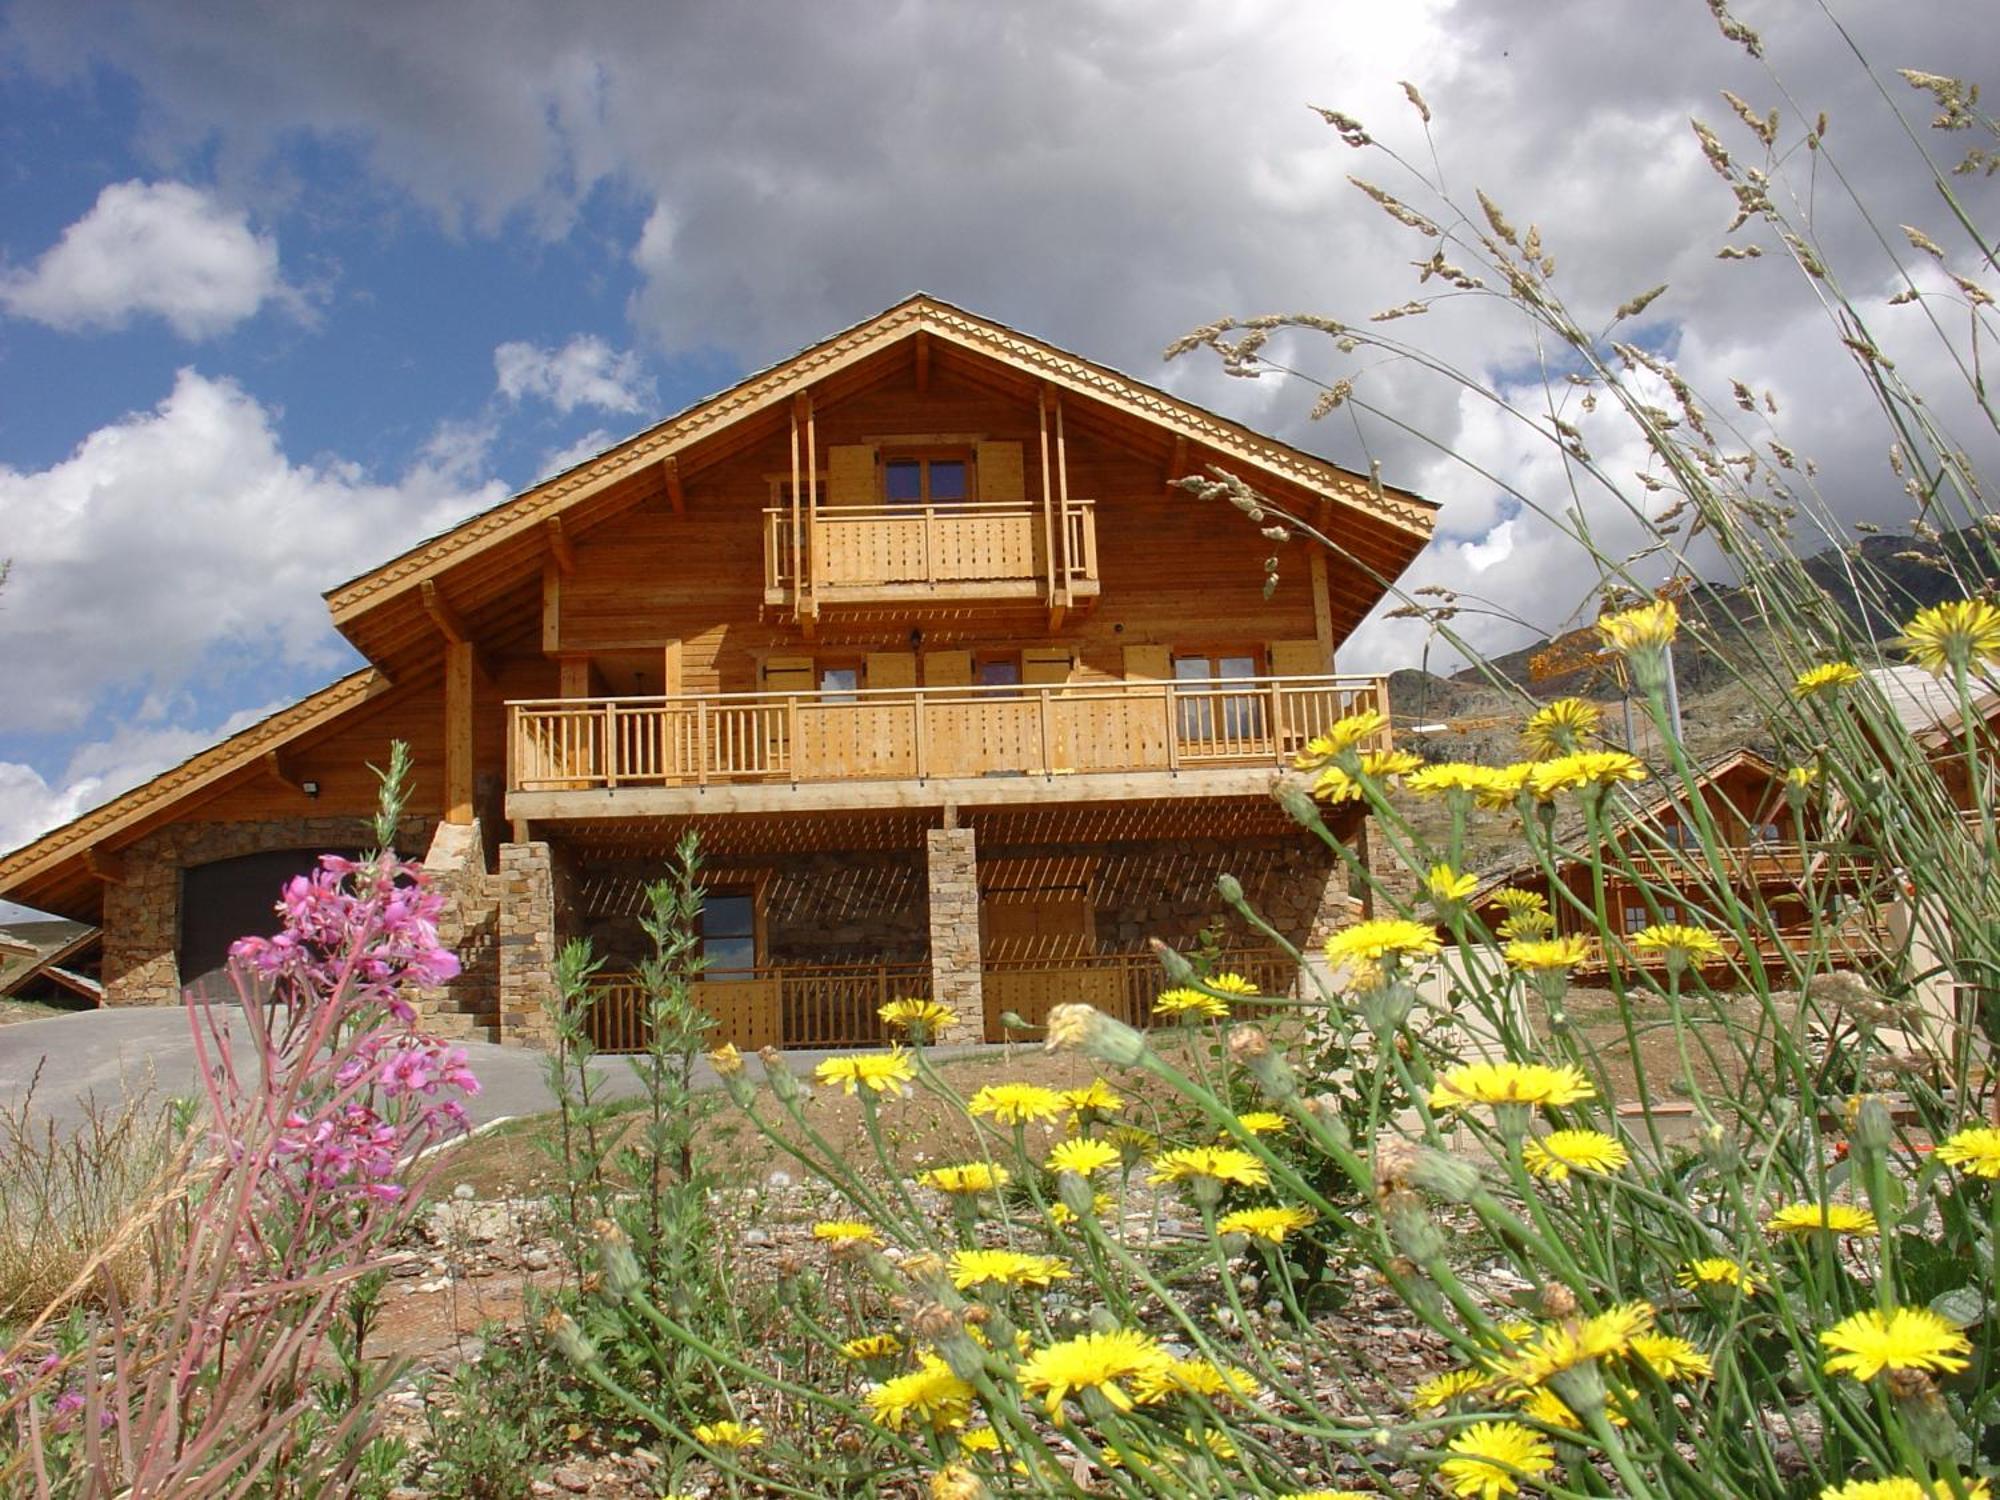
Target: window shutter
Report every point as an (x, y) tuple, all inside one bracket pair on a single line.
[(1045, 664), (892, 669), (1148, 664), (947, 669), (1001, 476), (850, 476), (788, 674), (1297, 659)]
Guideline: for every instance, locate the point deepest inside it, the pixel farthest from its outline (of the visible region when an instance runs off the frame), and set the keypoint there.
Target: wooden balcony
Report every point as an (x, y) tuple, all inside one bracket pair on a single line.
[(801, 1005), (961, 552), (624, 757)]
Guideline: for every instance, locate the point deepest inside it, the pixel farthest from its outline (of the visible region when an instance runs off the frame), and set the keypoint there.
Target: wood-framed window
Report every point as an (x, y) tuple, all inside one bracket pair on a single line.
[(838, 678), (730, 922), (927, 476), (1230, 716), (997, 669)]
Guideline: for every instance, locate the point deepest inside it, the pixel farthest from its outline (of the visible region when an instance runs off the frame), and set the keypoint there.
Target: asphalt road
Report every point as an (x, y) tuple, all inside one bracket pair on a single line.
[(104, 1055)]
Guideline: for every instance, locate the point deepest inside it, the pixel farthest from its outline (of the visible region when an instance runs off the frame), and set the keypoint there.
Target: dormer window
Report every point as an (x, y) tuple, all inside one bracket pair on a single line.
[(942, 478)]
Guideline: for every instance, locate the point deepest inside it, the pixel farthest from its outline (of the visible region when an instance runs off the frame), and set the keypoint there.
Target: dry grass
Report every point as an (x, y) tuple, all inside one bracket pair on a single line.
[(65, 1193)]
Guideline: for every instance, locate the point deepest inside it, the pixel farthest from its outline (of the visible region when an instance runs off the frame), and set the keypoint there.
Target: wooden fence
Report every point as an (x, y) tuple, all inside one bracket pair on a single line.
[(820, 1005)]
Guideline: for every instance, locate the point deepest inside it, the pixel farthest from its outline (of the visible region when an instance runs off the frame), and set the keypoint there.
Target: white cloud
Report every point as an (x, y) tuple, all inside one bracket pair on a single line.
[(183, 540), (570, 455), (162, 249), (586, 371)]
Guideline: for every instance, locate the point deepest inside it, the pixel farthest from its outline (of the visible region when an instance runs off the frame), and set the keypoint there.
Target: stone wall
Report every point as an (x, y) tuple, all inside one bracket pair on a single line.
[(954, 927), (529, 936), (142, 914)]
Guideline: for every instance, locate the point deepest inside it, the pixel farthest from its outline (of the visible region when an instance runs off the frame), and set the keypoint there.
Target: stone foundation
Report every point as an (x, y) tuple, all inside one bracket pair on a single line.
[(528, 938), (953, 866)]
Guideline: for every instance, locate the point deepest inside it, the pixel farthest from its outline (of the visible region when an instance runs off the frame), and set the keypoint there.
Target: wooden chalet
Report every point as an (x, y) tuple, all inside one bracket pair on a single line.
[(1774, 861), (961, 693)]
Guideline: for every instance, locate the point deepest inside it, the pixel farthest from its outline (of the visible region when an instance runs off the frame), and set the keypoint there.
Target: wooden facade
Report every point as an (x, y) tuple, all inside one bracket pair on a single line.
[(915, 609)]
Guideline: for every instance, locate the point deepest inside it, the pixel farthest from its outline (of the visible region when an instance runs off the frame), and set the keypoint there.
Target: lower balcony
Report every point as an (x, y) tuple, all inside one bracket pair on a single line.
[(747, 752)]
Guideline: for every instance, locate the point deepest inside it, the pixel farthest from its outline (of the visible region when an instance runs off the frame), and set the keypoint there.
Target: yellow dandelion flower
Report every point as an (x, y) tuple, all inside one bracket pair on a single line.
[(1196, 1377), (1560, 728), (1825, 678), (1453, 1385), (1132, 1141), (1716, 1270), (1489, 1460), (970, 1268), (1563, 1346), (1385, 765), (872, 1346), (1553, 1155), (1183, 1001), (1532, 954), (1511, 1083), (1585, 769), (957, 1482), (1503, 786), (1263, 1122), (727, 1434), (1103, 1362), (979, 1440), (1531, 926), (1447, 777), (1907, 1338), (930, 1394), (1016, 1103), (1514, 901), (1649, 627), (1444, 885), (1671, 1358), (1336, 786), (726, 1060), (973, 1177), (1975, 1151), (1957, 633), (1900, 1488), (1217, 1162), (1344, 735), (925, 1017), (1812, 1218), (1095, 1098), (1802, 777), (1679, 943), (1377, 941), (1083, 1156), (878, 1072), (1271, 1224), (1234, 984), (1062, 1215), (846, 1232)]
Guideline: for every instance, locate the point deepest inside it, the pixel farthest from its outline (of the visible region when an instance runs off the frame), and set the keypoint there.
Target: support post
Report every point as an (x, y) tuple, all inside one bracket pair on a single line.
[(458, 732), (953, 867)]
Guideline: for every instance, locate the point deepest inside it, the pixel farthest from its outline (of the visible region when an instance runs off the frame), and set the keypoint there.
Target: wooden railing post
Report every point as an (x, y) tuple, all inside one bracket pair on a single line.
[(792, 738), (611, 743), (1170, 704), (1275, 729), (920, 734), (1048, 760), (701, 742)]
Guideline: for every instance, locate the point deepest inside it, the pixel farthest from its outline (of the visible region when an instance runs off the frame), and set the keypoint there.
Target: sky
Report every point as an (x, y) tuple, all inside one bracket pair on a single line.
[(286, 286)]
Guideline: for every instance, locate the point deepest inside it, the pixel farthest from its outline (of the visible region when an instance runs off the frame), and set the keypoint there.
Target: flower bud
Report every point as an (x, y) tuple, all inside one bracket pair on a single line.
[(1230, 889), (1174, 964), (957, 1482), (1294, 795), (1871, 1128), (622, 1276), (1558, 1301), (1926, 1418), (1250, 1047), (1445, 1176), (784, 1083), (1077, 1195), (1103, 1037), (576, 1346), (1411, 1229)]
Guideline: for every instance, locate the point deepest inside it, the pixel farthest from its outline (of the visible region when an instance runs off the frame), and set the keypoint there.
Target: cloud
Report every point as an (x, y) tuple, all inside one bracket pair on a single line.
[(570, 455), (586, 371), (182, 544), (160, 249)]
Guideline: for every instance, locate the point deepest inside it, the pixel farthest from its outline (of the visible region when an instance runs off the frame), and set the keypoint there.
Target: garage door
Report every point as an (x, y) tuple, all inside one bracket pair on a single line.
[(229, 899)]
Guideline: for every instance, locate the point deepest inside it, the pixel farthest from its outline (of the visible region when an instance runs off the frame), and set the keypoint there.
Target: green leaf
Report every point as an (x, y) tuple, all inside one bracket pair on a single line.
[(1962, 1305)]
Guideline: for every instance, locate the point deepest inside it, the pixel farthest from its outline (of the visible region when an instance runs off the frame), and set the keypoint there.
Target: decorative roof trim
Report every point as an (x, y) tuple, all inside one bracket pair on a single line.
[(529, 509), (200, 770)]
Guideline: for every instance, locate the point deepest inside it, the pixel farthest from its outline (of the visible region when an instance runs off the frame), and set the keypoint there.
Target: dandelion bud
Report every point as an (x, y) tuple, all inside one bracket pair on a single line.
[(1295, 796), (1720, 1149), (1068, 1025), (1445, 1176), (1395, 1163), (622, 1276), (1558, 1301), (933, 1321), (1871, 1129), (1105, 1038), (1926, 1418), (1174, 964), (925, 1266), (1251, 1048), (576, 1346), (957, 1482), (1411, 1229), (1230, 889), (1076, 1193), (784, 1083)]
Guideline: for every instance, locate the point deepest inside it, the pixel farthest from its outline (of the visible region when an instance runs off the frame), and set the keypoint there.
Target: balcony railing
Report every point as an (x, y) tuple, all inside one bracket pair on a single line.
[(965, 550), (806, 1005), (909, 734), (1122, 985)]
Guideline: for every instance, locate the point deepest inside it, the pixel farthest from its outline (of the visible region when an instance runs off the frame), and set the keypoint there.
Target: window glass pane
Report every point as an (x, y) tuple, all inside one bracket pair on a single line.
[(904, 478), (728, 916), (729, 958), (1191, 668), (947, 479), (1236, 666), (838, 683), (1002, 671)]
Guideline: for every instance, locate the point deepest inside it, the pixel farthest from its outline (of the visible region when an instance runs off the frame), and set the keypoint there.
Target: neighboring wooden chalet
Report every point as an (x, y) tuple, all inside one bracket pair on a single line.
[(962, 695), (1773, 862)]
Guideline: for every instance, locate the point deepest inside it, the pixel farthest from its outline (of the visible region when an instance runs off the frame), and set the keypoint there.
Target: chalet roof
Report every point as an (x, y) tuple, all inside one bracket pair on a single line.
[(1927, 705), (507, 543), (43, 860), (48, 946)]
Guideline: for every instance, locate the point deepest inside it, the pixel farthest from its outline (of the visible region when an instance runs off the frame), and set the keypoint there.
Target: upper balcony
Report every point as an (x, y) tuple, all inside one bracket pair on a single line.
[(958, 552), (913, 747)]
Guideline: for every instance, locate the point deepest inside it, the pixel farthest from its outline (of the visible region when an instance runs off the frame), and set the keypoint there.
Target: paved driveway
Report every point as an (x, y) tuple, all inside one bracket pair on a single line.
[(105, 1053)]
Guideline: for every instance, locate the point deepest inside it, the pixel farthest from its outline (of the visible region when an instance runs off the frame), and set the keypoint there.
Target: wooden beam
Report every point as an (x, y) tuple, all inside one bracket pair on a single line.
[(1177, 466), (670, 467), (458, 732), (672, 676), (447, 619), (923, 343), (275, 768), (559, 547), (551, 609), (1322, 605), (105, 865), (574, 675)]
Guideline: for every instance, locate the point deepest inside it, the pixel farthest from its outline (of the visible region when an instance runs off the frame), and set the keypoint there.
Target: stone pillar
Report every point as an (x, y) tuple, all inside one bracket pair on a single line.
[(954, 911), (142, 921), (527, 942), (1396, 888)]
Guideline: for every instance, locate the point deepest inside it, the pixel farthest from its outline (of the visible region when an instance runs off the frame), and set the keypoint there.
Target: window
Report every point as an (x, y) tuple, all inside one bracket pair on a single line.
[(1209, 714), (997, 669), (927, 479), (729, 935), (838, 684), (1638, 918)]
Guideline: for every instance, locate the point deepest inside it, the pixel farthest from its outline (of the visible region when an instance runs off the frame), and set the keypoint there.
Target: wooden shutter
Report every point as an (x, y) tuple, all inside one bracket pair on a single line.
[(947, 668), (1001, 476), (1148, 664), (892, 669), (788, 674), (1297, 659), (850, 476), (1045, 664)]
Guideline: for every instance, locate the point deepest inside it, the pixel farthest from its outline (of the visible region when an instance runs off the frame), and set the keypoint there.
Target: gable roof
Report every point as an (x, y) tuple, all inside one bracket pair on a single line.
[(518, 526), (41, 872)]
